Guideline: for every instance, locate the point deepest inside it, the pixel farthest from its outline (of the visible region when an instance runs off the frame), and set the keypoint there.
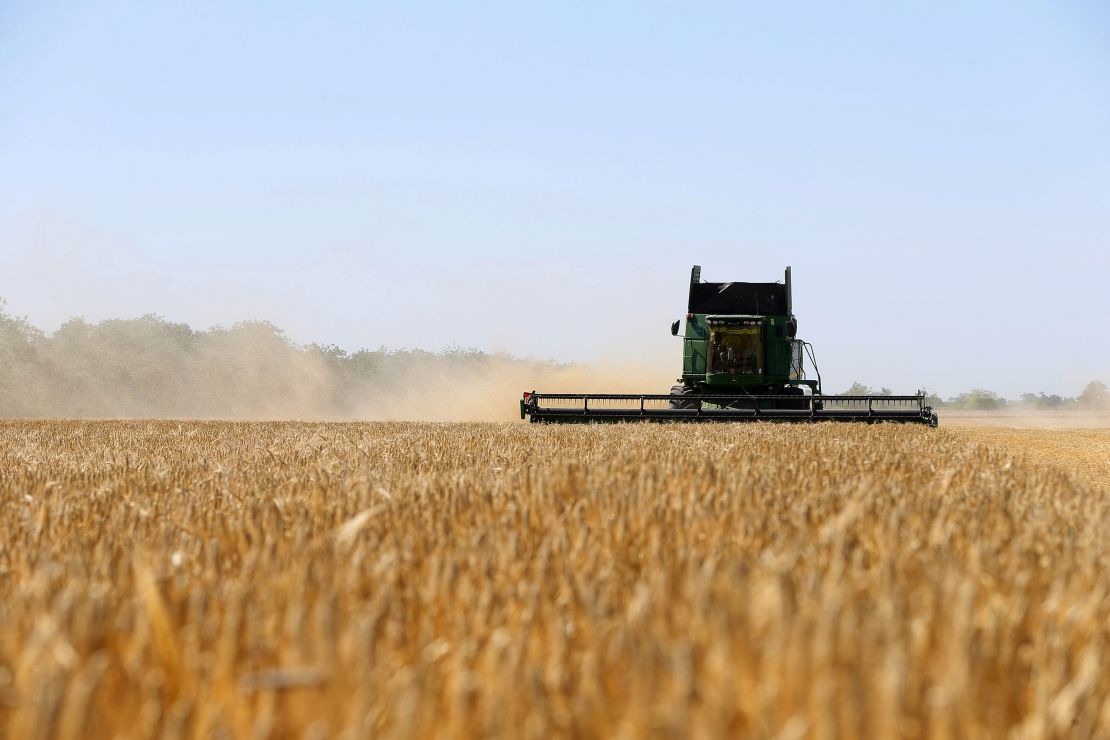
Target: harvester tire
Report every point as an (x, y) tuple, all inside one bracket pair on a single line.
[(801, 403), (681, 397)]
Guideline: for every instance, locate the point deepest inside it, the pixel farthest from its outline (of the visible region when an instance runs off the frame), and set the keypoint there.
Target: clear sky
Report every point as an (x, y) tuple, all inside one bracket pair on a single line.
[(540, 179)]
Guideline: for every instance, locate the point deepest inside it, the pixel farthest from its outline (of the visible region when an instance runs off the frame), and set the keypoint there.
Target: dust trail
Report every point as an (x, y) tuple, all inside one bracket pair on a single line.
[(490, 392), (148, 367)]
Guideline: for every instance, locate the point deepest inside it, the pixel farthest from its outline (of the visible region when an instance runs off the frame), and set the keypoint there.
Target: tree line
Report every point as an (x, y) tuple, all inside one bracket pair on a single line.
[(151, 367), (1095, 396)]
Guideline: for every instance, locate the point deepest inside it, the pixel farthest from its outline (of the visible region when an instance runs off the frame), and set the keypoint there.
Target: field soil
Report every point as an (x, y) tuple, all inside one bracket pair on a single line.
[(219, 579)]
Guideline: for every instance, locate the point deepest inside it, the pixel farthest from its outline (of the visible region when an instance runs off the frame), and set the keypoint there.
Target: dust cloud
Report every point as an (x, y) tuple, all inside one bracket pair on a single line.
[(152, 368), (490, 390)]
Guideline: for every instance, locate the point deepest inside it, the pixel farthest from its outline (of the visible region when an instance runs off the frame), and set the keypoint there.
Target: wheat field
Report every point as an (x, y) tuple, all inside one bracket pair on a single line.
[(289, 580)]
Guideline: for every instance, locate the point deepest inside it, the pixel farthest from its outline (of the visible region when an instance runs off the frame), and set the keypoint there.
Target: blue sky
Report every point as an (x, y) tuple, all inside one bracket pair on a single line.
[(539, 179)]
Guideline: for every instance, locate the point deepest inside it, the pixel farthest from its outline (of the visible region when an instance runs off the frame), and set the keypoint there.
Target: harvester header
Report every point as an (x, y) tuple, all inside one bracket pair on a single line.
[(741, 361)]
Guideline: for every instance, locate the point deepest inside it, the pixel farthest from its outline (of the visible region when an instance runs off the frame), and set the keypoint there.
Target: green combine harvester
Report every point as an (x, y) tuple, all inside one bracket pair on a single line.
[(741, 361)]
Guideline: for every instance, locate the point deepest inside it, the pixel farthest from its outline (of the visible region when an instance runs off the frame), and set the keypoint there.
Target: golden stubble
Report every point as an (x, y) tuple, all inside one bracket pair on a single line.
[(1083, 453), (197, 579)]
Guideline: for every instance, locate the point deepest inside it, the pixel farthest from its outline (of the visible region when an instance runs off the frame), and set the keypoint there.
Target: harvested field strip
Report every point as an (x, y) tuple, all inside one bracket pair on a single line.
[(1082, 453), (282, 579)]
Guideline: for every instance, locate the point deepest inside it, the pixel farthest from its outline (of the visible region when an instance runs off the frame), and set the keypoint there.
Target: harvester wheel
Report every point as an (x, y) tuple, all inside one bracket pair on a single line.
[(800, 403), (681, 397)]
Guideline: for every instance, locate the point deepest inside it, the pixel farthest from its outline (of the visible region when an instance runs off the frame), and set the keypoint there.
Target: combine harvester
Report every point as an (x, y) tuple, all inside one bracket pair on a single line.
[(741, 361)]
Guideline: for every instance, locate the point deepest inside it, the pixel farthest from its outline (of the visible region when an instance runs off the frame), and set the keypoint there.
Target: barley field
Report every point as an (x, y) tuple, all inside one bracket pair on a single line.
[(366, 580)]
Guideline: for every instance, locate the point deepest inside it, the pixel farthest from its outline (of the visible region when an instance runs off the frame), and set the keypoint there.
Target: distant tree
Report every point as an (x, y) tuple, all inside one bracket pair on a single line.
[(978, 399), (22, 377), (1053, 402), (1044, 401), (16, 331), (859, 389), (328, 350), (1095, 396), (935, 401)]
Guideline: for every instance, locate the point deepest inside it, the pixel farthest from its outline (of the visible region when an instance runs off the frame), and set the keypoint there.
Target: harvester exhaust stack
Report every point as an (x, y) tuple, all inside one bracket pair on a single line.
[(741, 361)]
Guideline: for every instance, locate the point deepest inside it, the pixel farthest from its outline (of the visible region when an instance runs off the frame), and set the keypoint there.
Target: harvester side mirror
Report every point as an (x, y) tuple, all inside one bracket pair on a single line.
[(674, 329)]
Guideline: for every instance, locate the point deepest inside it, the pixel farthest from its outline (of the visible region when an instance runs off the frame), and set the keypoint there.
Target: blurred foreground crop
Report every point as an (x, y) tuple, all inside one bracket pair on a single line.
[(165, 579)]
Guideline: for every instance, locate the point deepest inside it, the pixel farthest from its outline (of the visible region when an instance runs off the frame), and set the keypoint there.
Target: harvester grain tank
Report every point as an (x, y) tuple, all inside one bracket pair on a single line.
[(741, 361)]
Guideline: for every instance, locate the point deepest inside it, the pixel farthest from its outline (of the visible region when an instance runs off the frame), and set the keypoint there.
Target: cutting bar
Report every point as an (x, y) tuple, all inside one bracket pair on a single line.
[(570, 408)]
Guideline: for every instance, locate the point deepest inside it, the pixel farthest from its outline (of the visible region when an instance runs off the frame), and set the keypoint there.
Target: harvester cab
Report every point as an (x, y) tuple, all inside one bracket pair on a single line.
[(742, 338), (741, 361)]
